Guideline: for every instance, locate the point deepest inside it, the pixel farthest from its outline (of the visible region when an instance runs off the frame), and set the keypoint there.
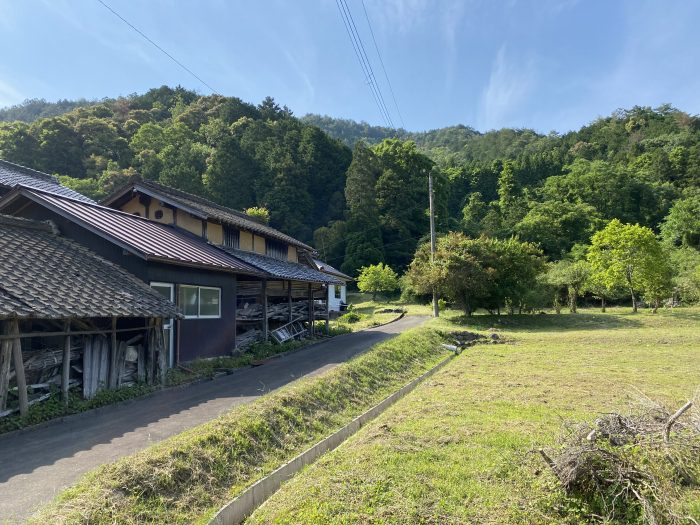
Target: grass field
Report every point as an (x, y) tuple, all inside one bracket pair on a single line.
[(461, 448)]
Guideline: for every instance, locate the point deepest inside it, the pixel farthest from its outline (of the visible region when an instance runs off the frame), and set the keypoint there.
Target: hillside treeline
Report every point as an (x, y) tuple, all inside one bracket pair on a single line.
[(369, 203), (238, 154)]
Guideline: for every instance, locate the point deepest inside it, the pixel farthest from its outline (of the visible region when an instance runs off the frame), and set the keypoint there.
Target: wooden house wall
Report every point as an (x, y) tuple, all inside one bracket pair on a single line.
[(197, 337)]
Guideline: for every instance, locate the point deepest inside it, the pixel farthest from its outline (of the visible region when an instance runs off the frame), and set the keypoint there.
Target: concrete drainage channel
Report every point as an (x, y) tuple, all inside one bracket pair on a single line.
[(238, 509)]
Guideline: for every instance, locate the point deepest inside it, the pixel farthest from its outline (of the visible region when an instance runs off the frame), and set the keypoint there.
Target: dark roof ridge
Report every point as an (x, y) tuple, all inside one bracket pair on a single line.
[(33, 172), (27, 224), (203, 200)]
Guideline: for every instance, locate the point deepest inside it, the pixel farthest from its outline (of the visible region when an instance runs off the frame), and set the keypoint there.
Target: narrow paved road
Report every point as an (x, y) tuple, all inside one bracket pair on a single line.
[(36, 465)]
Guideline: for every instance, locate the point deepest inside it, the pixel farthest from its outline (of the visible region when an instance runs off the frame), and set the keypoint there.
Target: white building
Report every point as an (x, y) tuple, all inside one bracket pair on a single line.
[(337, 294)]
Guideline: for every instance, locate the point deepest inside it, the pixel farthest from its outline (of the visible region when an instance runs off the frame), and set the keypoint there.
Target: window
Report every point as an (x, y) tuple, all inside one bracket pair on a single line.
[(276, 249), (199, 301), (231, 237), (338, 290)]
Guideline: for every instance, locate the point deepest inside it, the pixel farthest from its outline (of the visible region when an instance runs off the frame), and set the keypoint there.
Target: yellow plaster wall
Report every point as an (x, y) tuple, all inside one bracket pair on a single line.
[(155, 206), (134, 206), (292, 254), (259, 244), (245, 241), (189, 223), (215, 233)]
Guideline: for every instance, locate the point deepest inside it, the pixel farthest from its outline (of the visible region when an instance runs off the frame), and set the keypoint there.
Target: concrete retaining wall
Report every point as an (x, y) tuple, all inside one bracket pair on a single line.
[(238, 509)]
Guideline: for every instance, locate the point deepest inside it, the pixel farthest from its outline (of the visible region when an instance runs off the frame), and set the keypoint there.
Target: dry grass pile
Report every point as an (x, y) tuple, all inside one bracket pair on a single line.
[(631, 468)]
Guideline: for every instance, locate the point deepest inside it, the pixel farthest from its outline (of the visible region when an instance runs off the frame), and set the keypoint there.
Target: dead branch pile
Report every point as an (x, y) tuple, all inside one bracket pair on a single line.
[(631, 468), (466, 339)]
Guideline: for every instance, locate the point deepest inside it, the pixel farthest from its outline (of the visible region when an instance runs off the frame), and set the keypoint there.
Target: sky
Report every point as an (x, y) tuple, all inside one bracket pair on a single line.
[(549, 65)]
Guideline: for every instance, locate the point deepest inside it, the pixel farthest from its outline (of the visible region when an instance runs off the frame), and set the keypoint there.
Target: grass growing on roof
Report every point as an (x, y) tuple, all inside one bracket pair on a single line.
[(462, 447), (186, 478)]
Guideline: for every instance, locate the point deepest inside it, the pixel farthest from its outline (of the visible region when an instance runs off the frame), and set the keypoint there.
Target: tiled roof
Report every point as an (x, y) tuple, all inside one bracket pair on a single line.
[(282, 269), (147, 239), (207, 209), (327, 268), (44, 275), (13, 174)]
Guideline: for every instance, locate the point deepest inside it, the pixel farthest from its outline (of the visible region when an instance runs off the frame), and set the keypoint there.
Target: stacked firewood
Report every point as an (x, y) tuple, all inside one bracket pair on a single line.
[(247, 338), (275, 312)]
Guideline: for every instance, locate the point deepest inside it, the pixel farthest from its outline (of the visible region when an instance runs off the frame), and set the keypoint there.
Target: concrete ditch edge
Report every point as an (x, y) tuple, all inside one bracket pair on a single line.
[(238, 509)]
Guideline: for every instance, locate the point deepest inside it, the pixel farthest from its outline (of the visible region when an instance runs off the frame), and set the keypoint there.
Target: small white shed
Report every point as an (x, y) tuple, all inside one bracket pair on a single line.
[(337, 294)]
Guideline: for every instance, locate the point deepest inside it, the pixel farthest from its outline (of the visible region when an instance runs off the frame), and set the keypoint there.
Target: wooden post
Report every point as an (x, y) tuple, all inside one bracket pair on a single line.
[(235, 310), (311, 310), (19, 368), (160, 346), (65, 365), (151, 352), (114, 357), (328, 309), (289, 300), (87, 365), (264, 312), (5, 360)]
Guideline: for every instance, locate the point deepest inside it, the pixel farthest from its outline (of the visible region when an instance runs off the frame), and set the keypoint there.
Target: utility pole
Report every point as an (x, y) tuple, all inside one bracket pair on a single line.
[(436, 310)]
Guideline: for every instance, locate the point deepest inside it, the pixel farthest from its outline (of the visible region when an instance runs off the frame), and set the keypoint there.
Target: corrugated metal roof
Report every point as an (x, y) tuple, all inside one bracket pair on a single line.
[(282, 269), (12, 174), (209, 210), (146, 238), (46, 276)]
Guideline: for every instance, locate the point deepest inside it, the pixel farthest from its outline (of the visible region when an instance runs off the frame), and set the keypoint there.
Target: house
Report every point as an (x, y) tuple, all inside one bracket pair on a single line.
[(234, 279), (337, 294), (70, 317)]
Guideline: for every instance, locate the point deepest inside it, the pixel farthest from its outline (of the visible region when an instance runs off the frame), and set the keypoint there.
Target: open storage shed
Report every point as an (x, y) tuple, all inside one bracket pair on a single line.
[(70, 319)]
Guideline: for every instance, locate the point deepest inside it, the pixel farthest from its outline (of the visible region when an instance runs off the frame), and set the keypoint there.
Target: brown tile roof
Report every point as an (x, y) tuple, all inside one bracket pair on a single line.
[(147, 239), (44, 275), (327, 268), (205, 209), (12, 174)]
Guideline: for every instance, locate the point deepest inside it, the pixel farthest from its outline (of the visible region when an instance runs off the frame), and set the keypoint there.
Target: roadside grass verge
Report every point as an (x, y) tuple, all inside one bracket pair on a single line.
[(54, 407), (462, 447), (185, 479)]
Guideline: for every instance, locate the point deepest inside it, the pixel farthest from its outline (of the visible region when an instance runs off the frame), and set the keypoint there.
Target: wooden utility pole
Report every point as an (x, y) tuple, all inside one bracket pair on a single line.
[(436, 310)]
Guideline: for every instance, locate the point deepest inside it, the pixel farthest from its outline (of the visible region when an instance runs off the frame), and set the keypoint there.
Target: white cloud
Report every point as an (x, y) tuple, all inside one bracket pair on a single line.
[(508, 87)]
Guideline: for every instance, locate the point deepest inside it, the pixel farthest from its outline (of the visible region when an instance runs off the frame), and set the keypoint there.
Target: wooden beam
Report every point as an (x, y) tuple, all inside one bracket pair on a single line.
[(5, 360), (289, 300), (114, 355), (65, 365), (328, 309), (263, 297), (19, 368), (151, 353), (63, 333), (235, 311), (160, 348)]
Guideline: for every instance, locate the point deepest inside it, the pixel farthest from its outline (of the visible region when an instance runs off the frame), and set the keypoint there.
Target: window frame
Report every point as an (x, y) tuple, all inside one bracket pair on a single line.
[(199, 301)]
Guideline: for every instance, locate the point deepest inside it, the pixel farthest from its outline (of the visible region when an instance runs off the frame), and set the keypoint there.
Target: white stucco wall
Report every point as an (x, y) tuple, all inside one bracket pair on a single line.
[(333, 303)]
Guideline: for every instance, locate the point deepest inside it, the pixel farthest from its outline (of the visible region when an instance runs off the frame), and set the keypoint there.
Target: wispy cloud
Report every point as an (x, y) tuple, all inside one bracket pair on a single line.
[(509, 84), (9, 95)]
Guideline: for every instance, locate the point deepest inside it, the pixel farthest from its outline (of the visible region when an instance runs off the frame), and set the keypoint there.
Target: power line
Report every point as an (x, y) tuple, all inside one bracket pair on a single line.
[(376, 47), (362, 58), (171, 57)]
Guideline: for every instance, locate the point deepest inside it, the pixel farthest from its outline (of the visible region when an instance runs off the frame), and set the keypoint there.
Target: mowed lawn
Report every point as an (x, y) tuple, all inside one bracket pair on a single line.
[(462, 447)]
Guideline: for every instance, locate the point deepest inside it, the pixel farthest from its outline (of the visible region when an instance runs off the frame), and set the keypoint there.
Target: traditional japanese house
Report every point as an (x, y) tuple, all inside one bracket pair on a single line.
[(292, 283), (229, 292), (70, 318)]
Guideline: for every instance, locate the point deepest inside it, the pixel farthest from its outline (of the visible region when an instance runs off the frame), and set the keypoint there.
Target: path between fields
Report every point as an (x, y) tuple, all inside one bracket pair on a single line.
[(36, 465)]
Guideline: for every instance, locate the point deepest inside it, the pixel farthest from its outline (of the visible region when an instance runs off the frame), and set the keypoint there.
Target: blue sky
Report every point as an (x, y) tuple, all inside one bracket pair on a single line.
[(542, 64)]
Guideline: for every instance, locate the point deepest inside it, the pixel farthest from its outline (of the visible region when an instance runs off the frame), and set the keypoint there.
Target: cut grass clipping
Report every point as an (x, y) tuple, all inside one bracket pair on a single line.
[(185, 479)]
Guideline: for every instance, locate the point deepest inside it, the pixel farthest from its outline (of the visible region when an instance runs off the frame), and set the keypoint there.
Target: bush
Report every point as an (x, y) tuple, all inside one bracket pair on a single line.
[(350, 317)]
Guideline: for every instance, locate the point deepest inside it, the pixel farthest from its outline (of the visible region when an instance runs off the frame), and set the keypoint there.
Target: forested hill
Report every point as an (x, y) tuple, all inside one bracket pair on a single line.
[(238, 154), (367, 204)]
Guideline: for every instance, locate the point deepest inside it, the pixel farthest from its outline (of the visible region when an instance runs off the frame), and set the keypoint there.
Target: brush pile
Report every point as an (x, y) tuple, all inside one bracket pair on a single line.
[(631, 468)]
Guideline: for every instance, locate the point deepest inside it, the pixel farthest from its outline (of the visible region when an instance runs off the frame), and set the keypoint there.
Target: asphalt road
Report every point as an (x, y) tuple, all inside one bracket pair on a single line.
[(36, 465)]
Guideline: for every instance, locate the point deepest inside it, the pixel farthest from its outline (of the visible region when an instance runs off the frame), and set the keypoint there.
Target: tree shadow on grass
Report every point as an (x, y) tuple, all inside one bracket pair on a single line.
[(549, 322)]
